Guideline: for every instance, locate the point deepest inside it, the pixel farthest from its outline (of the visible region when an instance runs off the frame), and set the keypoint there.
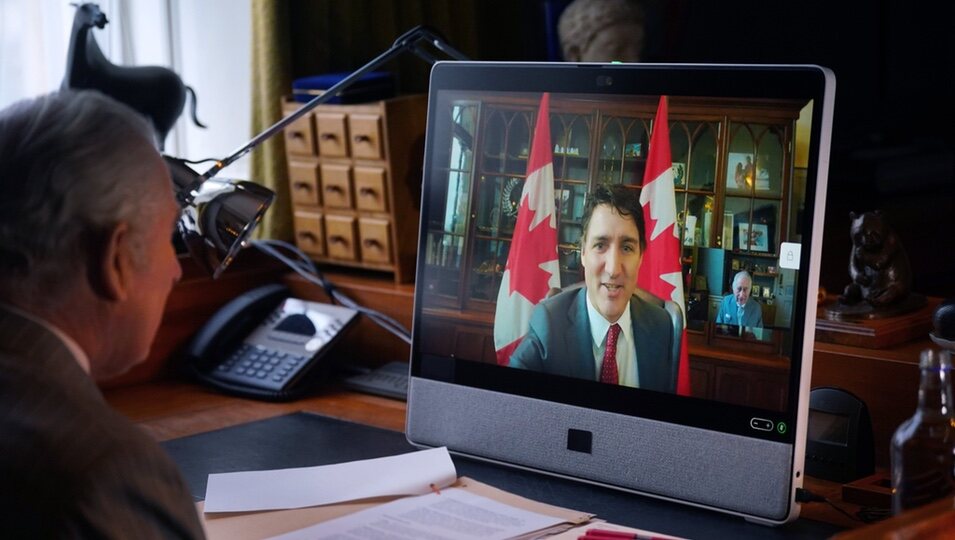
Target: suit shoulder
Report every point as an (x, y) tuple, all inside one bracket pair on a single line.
[(559, 301), (649, 309)]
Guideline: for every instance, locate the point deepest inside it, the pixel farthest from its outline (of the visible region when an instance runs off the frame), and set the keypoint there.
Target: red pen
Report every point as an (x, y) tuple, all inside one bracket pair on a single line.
[(604, 534)]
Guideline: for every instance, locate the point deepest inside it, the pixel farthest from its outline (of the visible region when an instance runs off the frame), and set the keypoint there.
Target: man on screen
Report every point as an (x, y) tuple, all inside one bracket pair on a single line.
[(739, 308), (603, 331)]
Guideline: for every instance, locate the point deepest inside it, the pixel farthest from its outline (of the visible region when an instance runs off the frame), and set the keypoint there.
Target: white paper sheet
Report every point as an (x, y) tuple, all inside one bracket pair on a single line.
[(450, 515), (404, 474)]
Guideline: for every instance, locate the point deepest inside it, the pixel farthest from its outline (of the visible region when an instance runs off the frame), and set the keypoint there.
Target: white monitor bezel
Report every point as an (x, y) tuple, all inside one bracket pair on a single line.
[(444, 412)]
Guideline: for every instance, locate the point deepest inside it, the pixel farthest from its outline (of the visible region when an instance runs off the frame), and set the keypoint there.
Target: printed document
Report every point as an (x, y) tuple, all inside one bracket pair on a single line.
[(450, 514)]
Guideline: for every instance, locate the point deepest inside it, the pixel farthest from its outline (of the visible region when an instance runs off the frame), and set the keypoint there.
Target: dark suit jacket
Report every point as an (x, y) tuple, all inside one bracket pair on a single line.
[(559, 341), (71, 466)]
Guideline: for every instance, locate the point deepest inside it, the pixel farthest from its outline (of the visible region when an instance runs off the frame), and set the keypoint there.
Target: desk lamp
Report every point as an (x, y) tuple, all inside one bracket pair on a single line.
[(218, 216)]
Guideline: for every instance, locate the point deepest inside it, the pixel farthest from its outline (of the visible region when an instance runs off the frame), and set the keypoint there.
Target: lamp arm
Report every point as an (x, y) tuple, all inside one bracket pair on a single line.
[(409, 41)]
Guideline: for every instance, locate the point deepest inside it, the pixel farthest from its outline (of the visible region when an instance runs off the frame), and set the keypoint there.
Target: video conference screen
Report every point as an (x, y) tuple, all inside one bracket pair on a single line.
[(502, 188)]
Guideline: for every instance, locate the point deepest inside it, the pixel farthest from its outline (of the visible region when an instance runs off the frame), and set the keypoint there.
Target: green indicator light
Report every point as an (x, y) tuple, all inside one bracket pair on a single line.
[(781, 427), (616, 62)]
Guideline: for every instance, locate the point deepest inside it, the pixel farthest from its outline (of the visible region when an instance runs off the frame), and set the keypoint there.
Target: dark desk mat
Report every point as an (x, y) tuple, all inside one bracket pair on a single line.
[(305, 440)]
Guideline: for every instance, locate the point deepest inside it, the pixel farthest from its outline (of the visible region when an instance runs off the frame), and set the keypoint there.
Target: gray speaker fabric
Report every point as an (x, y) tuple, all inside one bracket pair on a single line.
[(707, 468)]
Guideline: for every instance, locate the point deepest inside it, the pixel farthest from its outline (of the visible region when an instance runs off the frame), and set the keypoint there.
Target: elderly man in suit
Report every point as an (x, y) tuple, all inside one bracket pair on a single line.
[(603, 331), (86, 265), (739, 308)]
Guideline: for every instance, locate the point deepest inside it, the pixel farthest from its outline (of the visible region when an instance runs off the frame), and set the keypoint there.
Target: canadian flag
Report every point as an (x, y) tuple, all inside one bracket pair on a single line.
[(532, 268), (660, 273)]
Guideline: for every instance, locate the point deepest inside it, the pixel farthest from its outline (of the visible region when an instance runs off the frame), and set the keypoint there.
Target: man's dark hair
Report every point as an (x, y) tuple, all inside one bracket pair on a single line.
[(626, 201)]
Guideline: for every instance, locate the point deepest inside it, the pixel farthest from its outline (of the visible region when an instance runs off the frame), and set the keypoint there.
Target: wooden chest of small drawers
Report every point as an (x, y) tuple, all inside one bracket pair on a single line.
[(355, 182)]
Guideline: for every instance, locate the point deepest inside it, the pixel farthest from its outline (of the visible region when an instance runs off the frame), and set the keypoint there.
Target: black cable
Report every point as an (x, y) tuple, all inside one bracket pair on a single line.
[(306, 268), (871, 515), (197, 161), (805, 496), (865, 514)]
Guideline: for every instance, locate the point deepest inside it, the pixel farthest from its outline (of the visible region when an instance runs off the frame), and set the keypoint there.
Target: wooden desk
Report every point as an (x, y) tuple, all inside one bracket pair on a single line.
[(168, 409)]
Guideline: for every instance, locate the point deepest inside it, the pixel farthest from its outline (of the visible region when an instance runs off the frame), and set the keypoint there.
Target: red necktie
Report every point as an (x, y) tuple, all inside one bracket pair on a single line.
[(608, 370)]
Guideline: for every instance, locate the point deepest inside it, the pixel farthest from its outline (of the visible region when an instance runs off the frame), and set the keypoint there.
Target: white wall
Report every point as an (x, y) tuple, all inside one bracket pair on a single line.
[(215, 59), (208, 42)]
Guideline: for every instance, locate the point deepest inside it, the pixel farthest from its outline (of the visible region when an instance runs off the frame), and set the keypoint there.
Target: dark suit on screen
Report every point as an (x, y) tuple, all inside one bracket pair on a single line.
[(72, 467), (559, 341)]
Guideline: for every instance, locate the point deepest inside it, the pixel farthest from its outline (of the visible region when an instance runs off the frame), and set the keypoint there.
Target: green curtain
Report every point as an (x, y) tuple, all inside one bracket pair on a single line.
[(292, 39), (271, 80)]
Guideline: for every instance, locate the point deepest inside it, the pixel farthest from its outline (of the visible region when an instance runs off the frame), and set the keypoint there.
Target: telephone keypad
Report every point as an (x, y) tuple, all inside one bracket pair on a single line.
[(267, 367)]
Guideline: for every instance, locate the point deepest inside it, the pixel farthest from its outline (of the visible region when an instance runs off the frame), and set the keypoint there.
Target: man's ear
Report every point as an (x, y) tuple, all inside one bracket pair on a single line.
[(114, 268)]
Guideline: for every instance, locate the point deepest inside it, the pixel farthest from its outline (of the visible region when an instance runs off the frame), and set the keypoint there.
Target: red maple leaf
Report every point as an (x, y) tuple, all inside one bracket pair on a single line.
[(528, 251)]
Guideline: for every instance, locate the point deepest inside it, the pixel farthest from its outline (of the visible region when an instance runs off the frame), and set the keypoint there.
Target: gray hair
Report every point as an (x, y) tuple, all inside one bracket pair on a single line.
[(742, 274), (73, 164)]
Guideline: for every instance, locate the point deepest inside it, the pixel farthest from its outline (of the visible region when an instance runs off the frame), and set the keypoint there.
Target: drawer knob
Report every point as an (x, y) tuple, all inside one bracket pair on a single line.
[(371, 243), (298, 135), (362, 139), (303, 186), (333, 188), (338, 240), (306, 236), (328, 136), (367, 192)]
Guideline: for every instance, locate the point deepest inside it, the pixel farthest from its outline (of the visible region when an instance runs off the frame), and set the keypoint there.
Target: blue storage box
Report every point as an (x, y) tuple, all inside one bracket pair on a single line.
[(372, 86)]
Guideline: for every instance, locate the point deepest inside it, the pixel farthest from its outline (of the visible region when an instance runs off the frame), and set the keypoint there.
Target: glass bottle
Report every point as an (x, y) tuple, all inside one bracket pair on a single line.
[(923, 447)]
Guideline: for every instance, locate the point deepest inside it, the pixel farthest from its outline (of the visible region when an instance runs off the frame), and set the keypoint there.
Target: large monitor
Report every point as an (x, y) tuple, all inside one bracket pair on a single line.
[(748, 155)]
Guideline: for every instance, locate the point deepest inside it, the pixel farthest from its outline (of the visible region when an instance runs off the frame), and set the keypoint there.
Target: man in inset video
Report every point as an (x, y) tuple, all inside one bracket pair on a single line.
[(739, 308), (604, 331)]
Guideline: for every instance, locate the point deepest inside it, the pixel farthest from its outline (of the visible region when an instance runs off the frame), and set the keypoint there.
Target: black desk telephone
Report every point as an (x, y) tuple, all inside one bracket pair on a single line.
[(263, 344)]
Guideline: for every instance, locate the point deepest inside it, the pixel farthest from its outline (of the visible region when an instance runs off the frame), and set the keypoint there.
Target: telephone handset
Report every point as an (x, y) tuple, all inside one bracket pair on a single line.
[(263, 343)]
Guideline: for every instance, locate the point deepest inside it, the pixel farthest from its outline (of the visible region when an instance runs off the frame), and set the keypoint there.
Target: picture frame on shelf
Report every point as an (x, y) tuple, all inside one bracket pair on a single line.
[(740, 172), (689, 231), (754, 237), (759, 237), (633, 150), (679, 174)]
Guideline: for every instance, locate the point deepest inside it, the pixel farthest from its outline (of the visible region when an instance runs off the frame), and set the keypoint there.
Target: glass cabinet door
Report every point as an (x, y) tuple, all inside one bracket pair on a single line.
[(506, 142), (769, 162), (447, 231), (503, 167), (693, 150), (703, 158), (622, 150), (571, 135), (754, 187)]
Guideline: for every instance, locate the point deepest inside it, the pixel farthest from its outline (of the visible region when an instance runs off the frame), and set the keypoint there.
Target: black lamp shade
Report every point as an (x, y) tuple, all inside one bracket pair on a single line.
[(218, 215)]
